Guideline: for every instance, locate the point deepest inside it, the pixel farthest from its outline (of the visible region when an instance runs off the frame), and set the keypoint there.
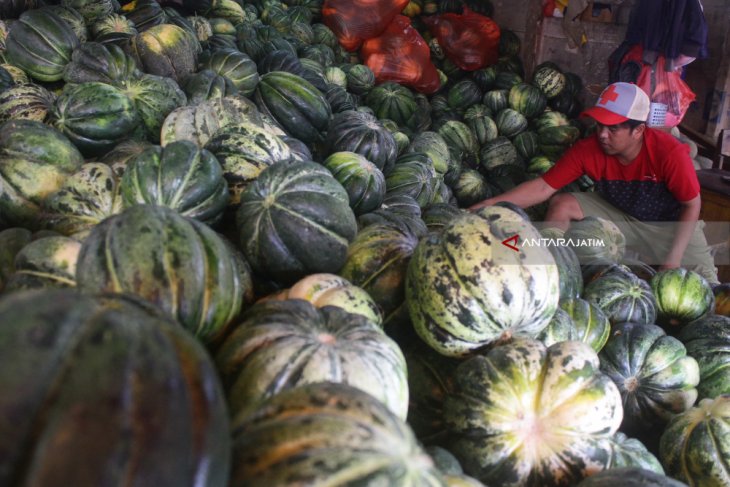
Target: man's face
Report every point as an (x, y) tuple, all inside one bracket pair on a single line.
[(617, 139)]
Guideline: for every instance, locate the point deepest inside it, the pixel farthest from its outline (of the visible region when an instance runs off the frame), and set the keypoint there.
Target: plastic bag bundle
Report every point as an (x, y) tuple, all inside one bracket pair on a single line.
[(354, 21), (469, 40), (669, 94), (400, 54)]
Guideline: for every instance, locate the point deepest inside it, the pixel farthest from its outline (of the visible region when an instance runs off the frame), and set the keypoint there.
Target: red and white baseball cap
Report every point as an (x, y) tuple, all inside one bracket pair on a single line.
[(618, 103)]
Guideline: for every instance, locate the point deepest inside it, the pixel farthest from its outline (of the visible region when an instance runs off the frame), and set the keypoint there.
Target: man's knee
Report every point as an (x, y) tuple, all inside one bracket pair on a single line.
[(564, 207)]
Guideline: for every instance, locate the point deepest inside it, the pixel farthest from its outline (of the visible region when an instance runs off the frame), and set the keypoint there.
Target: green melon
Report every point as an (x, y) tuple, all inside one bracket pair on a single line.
[(707, 340), (180, 176), (591, 324), (527, 99), (413, 175), (629, 452), (320, 432), (571, 278), (359, 132), (324, 289), (510, 122), (377, 260), (656, 377), (95, 116), (154, 98), (364, 182), (694, 445), (681, 297), (234, 65), (12, 240), (295, 104), (107, 63), (549, 79), (166, 50), (479, 119), (596, 239), (41, 44), (430, 380), (629, 477), (295, 219), (622, 296), (560, 329), (26, 101)]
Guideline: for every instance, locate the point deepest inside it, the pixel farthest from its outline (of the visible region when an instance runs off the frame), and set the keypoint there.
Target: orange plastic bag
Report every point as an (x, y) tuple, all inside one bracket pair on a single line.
[(469, 40), (400, 54), (669, 94), (354, 21)]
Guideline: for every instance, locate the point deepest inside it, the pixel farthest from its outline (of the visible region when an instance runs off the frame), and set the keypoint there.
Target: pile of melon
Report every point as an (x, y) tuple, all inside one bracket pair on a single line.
[(230, 256)]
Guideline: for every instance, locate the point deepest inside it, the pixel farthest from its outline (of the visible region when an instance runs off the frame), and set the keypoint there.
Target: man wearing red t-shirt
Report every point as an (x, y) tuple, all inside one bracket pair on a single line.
[(644, 180)]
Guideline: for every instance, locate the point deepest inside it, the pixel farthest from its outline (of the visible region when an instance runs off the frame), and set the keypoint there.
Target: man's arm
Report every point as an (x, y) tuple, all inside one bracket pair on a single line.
[(688, 216), (527, 194)]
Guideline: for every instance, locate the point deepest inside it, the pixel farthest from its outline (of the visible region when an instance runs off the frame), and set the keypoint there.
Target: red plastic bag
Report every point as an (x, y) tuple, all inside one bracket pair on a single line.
[(669, 94), (354, 21), (400, 54), (469, 40)]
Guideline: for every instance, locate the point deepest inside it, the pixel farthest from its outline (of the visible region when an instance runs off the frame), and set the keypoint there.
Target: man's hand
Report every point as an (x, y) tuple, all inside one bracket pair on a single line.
[(524, 195), (669, 265), (688, 215), (480, 205)]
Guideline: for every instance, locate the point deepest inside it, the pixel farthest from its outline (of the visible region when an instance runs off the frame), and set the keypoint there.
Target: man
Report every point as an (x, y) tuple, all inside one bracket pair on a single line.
[(644, 181)]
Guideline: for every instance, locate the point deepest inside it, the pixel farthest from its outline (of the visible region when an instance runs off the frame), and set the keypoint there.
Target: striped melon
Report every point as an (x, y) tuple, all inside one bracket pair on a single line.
[(549, 79), (86, 198), (591, 324), (181, 176), (377, 260), (325, 289), (527, 99), (159, 255), (116, 375), (47, 262), (28, 101), (694, 445), (629, 477), (708, 341), (243, 150), (280, 345), (465, 289), (498, 152), (681, 297), (524, 414), (479, 119), (510, 122)]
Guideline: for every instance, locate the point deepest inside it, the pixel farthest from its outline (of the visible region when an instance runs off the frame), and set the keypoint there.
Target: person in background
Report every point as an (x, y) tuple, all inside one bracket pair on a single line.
[(644, 182)]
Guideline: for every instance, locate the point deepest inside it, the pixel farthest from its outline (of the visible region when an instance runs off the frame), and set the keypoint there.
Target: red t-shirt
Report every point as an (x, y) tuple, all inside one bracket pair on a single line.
[(650, 188)]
